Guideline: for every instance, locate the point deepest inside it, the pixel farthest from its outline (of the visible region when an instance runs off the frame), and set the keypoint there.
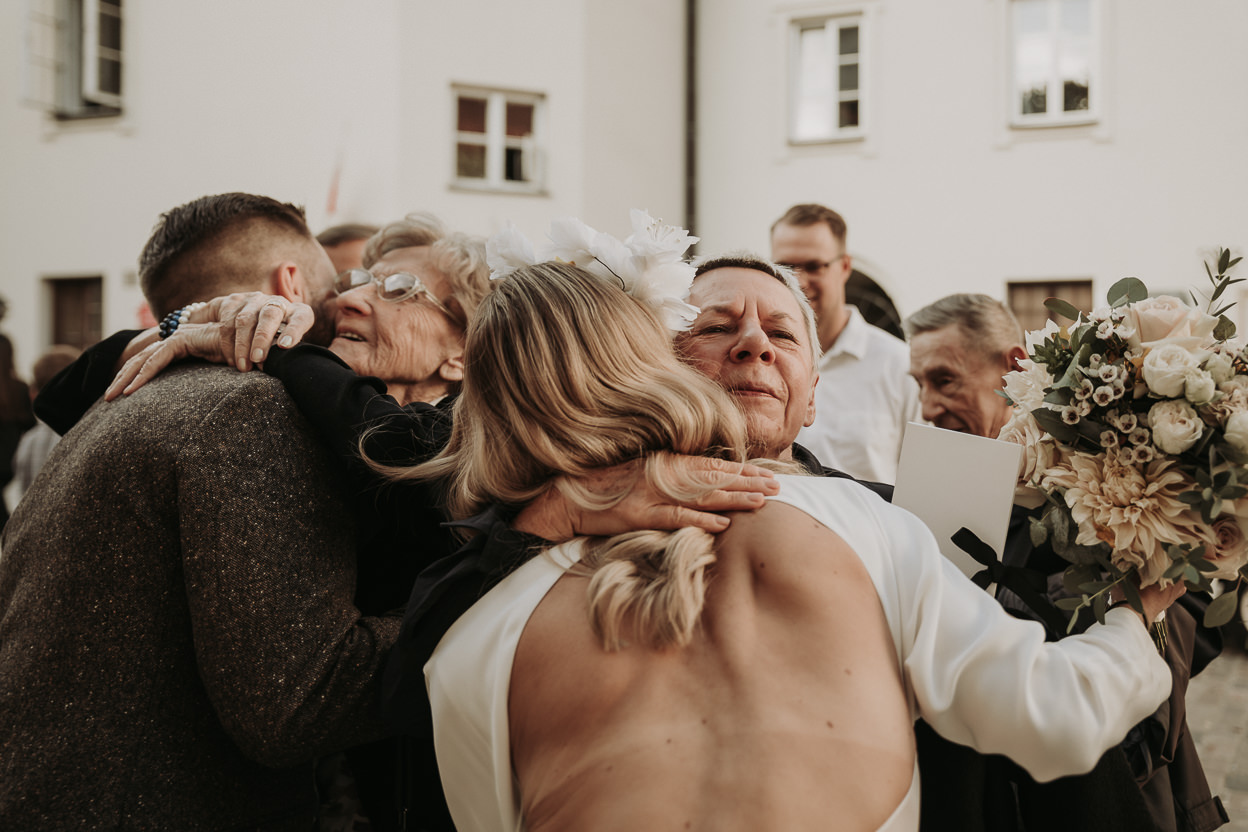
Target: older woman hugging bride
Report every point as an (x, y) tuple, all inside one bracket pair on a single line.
[(764, 678)]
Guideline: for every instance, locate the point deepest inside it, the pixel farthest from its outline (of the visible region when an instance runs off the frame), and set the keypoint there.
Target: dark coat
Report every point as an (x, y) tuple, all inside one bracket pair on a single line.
[(1152, 782), (399, 529), (177, 634)]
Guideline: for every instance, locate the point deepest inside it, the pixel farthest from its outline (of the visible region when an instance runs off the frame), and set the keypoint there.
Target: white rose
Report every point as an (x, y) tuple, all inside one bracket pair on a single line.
[(1220, 367), (1026, 385), (1236, 431), (1167, 318), (1176, 427), (1038, 454), (1198, 387), (1165, 369)]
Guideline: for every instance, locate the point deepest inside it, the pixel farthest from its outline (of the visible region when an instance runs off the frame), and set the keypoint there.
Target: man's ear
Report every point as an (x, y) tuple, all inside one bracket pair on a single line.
[(810, 405), (287, 281), (1014, 355)]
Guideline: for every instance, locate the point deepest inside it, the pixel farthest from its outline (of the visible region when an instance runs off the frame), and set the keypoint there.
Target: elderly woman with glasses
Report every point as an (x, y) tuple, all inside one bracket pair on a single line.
[(403, 320)]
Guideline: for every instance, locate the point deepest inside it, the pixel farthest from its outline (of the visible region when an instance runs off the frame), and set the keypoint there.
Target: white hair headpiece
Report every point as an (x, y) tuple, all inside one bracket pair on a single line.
[(649, 263)]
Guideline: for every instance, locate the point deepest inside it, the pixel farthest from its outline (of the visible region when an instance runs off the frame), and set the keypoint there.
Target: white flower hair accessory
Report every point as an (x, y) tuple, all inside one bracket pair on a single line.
[(649, 263)]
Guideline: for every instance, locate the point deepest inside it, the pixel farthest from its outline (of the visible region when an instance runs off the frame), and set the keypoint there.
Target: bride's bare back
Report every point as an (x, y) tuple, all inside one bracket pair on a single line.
[(785, 712)]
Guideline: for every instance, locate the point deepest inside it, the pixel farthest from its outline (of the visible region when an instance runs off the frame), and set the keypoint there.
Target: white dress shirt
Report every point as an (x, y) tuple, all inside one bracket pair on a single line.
[(864, 399)]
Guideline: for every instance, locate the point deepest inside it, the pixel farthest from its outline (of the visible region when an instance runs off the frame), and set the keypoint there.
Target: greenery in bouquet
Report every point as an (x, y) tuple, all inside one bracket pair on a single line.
[(1134, 424)]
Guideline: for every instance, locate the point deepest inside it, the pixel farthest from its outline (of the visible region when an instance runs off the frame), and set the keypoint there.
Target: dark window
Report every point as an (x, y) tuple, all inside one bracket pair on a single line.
[(76, 310)]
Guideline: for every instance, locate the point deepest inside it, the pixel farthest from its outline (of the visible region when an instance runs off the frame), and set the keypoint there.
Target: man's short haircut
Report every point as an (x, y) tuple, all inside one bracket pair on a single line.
[(985, 323), (749, 260), (348, 232), (419, 228), (214, 245), (57, 358), (810, 213)]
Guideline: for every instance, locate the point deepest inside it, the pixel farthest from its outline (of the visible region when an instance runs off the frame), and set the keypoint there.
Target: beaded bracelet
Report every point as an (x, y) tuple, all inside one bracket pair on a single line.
[(170, 323)]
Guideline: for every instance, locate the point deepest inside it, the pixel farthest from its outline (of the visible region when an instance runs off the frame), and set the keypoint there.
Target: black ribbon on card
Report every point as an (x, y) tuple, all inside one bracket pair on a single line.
[(1027, 584)]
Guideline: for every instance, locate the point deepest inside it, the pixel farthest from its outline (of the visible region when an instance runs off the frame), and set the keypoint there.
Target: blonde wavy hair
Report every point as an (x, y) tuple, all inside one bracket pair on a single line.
[(566, 374)]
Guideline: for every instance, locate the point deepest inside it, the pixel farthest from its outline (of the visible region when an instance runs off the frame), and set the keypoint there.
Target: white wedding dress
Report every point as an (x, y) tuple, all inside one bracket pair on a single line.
[(979, 676)]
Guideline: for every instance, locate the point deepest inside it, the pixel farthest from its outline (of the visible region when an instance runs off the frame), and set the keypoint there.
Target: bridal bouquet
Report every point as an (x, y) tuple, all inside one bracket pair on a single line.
[(1134, 424)]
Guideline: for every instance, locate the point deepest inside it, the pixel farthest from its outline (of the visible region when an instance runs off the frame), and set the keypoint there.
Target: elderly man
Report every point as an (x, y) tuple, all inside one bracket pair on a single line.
[(865, 397), (960, 348), (177, 634)]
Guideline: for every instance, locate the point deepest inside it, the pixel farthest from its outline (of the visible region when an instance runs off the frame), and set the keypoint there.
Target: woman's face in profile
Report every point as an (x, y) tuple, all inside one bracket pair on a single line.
[(411, 345)]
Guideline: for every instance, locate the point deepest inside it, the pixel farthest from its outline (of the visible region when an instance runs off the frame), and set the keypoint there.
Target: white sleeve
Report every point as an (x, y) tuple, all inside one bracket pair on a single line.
[(978, 675), (986, 679)]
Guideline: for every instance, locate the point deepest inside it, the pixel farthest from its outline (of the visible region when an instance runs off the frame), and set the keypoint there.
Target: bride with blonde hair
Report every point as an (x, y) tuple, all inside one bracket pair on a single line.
[(764, 678)]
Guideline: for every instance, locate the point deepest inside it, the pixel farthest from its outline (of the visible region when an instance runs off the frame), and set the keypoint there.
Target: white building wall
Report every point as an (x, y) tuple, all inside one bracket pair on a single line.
[(942, 195), (285, 97)]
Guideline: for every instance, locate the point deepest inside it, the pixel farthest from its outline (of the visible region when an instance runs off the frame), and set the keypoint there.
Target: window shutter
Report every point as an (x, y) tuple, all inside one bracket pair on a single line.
[(43, 19), (101, 52)]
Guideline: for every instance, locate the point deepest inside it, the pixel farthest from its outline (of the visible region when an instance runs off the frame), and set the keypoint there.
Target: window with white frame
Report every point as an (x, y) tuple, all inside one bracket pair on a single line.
[(826, 78), (1054, 61), (497, 136), (74, 57)]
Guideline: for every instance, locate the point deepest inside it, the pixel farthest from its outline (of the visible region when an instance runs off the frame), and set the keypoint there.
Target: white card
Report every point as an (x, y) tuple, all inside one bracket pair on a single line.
[(950, 480)]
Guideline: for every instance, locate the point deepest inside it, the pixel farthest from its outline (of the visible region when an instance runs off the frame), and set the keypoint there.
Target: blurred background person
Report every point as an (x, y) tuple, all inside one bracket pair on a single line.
[(16, 417), (865, 395), (345, 244), (39, 441)]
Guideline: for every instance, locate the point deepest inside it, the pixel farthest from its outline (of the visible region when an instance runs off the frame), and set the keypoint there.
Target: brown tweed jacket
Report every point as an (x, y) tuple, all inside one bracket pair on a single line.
[(177, 636)]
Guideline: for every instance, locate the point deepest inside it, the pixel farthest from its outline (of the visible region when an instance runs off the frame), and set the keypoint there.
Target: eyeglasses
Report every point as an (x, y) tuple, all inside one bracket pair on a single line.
[(395, 288), (811, 266)]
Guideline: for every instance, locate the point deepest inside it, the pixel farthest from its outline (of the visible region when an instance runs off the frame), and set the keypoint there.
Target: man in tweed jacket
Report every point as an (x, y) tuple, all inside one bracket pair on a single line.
[(177, 635)]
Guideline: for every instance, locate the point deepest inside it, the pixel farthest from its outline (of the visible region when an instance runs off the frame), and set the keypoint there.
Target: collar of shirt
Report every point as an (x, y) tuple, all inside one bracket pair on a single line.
[(853, 340)]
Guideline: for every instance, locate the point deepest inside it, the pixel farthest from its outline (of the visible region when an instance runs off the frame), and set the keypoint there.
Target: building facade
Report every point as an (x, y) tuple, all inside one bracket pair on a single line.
[(360, 110), (1019, 148)]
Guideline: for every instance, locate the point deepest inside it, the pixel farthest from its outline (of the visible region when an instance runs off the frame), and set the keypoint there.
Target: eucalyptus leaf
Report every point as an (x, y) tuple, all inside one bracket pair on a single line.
[(1204, 565), (1052, 422), (1100, 604), (1038, 532), (1078, 574), (1061, 395), (1174, 570), (1070, 603), (1063, 308), (1224, 260), (1133, 596), (1226, 329), (1127, 290), (1222, 610)]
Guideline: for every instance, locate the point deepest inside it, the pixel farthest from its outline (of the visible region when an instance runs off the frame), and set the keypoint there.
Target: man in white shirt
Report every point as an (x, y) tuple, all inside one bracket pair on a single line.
[(865, 394)]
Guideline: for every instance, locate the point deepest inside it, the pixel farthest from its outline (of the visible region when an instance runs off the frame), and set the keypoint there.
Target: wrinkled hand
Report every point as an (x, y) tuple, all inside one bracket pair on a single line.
[(227, 330), (251, 321), (190, 341), (736, 487)]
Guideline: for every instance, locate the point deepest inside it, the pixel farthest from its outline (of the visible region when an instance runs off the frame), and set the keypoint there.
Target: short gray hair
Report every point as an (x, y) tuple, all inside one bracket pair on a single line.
[(986, 324), (419, 228), (749, 260)]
